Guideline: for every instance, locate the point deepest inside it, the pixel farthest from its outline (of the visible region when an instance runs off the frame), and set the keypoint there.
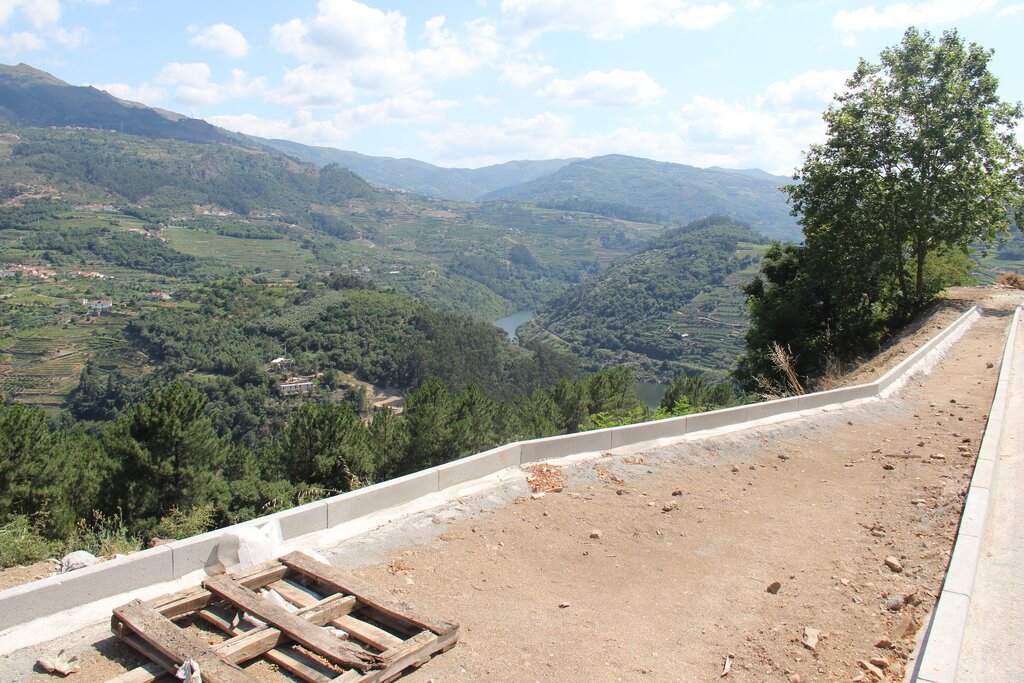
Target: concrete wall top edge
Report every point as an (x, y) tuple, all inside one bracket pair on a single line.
[(86, 572)]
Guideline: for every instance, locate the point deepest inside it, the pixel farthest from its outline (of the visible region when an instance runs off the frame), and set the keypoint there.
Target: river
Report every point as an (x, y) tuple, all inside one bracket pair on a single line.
[(650, 392), (511, 322)]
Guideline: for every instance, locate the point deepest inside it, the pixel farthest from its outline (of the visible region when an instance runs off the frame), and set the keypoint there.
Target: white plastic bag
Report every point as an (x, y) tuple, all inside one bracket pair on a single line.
[(189, 672), (249, 546)]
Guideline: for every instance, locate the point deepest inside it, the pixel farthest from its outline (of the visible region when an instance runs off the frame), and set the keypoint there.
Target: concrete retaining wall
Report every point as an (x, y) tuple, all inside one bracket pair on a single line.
[(174, 560), (938, 655)]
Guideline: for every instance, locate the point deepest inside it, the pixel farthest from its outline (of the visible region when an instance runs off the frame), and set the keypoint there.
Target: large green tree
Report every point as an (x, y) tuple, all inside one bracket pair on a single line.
[(920, 159), (920, 163), (168, 456)]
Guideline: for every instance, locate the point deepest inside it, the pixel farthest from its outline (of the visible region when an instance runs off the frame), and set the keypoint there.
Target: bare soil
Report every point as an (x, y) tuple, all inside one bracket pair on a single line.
[(655, 564)]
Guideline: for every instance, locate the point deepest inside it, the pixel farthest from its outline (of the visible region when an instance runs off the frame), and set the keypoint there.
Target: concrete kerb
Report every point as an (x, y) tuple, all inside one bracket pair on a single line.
[(128, 572), (938, 655), (648, 431), (892, 380), (391, 493), (567, 444), (185, 556), (479, 465)]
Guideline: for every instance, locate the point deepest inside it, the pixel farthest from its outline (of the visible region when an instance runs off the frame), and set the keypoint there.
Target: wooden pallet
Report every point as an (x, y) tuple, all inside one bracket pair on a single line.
[(381, 638)]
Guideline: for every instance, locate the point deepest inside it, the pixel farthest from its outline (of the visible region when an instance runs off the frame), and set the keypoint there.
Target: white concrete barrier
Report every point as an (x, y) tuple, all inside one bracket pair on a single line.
[(478, 466), (938, 655), (178, 558)]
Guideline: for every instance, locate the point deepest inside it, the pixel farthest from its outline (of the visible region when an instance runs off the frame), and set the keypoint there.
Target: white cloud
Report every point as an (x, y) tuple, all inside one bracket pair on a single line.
[(192, 84), (20, 42), (1011, 10), (701, 17), (616, 88), (38, 13), (347, 49), (43, 16), (769, 131), (146, 94), (900, 14), (522, 74), (608, 19), (41, 13), (342, 30), (485, 101), (811, 90), (72, 39), (303, 127), (223, 37), (419, 106), (436, 34)]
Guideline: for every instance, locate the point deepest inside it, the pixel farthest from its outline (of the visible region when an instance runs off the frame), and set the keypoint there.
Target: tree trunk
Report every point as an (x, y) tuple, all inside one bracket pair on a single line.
[(920, 249)]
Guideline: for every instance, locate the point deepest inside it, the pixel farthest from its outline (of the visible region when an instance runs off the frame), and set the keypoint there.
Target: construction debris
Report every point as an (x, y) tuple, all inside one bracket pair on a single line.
[(545, 478), (383, 638), (728, 665), (59, 664)]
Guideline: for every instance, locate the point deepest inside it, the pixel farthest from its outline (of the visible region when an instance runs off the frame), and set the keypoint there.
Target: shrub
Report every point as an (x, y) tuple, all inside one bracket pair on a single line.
[(1008, 279), (21, 544), (182, 524)]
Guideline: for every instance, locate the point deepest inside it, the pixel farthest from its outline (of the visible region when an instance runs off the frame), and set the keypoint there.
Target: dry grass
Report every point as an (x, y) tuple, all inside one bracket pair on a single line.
[(1014, 280)]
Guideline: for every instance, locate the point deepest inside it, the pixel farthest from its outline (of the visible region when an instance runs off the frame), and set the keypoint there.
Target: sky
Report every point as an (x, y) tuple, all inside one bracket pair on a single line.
[(732, 83)]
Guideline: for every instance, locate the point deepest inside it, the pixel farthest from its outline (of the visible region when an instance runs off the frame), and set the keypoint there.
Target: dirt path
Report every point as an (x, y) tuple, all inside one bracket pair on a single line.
[(690, 538)]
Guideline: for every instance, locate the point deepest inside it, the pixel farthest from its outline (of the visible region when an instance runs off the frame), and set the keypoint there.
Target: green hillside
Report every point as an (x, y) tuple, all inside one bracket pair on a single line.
[(464, 184), (676, 306), (677, 192), (30, 97)]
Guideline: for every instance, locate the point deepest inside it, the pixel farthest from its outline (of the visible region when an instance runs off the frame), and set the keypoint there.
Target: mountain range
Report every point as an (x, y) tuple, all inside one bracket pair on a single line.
[(613, 185)]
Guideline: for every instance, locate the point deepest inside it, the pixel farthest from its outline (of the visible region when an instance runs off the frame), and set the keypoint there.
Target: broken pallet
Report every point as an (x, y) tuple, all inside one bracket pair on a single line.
[(373, 639)]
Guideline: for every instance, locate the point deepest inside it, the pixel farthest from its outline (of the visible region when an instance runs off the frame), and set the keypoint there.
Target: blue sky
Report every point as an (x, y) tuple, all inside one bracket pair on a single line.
[(734, 83)]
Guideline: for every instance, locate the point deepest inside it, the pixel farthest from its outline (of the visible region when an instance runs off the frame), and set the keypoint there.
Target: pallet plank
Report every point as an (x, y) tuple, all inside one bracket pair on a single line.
[(364, 592), (414, 652), (281, 656), (367, 633), (300, 630), (254, 642), (186, 602), (351, 605), (176, 644)]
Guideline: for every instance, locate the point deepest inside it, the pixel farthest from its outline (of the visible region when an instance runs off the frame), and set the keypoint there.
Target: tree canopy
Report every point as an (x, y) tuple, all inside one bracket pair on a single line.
[(920, 158), (920, 162)]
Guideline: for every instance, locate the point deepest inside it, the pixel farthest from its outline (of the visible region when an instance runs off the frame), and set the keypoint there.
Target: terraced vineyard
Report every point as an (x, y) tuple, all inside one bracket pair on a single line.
[(40, 366), (676, 306)]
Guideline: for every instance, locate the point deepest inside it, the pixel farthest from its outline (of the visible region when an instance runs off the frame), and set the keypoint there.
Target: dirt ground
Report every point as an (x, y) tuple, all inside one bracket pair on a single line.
[(661, 564)]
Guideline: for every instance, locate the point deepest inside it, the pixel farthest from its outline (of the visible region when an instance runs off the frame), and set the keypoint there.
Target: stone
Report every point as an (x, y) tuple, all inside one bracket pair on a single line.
[(894, 603), (888, 466), (871, 669), (938, 456), (783, 456), (669, 507), (774, 587), (884, 644), (905, 628), (810, 638), (894, 564), (880, 662), (596, 533), (677, 492)]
